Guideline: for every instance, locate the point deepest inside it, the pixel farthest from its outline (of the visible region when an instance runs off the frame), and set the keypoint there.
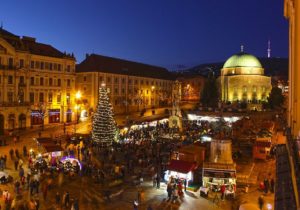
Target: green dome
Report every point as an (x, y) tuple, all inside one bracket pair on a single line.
[(242, 60)]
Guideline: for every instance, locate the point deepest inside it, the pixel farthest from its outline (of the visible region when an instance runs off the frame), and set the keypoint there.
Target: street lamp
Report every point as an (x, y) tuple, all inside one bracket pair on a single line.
[(77, 107)]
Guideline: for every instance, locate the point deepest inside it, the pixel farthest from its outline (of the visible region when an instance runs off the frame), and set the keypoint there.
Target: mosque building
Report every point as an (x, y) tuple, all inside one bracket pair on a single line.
[(242, 80)]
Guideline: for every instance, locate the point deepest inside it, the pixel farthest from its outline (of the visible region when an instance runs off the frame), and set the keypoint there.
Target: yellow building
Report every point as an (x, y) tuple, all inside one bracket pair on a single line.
[(37, 83), (242, 79), (132, 86), (292, 13)]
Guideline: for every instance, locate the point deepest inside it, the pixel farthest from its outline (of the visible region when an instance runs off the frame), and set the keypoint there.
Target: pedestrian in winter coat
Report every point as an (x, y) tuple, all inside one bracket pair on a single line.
[(57, 198), (272, 185), (260, 202), (16, 164)]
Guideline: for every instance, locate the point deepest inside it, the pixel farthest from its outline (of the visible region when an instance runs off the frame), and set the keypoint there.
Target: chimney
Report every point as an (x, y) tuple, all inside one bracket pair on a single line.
[(86, 55)]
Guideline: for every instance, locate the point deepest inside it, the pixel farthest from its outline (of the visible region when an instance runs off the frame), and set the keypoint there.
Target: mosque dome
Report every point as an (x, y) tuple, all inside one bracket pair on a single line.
[(242, 60)]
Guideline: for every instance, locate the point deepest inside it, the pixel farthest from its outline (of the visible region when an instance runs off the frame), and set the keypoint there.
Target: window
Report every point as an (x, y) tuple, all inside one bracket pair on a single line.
[(68, 82), (10, 80), (46, 65), (116, 102), (59, 67), (37, 64), (50, 96), (31, 80), (58, 82), (58, 98), (123, 80), (68, 68), (136, 82), (129, 81), (123, 90), (0, 78), (100, 79), (10, 96), (31, 97), (108, 79), (10, 63), (244, 89), (84, 78), (50, 66), (42, 65), (21, 63), (68, 98), (41, 81), (32, 64), (55, 66), (50, 82), (21, 81), (147, 82), (116, 80), (142, 82), (41, 97), (116, 91)]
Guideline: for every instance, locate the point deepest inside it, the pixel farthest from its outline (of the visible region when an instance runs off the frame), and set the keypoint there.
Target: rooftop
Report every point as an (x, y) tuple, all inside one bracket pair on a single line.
[(29, 44), (100, 63)]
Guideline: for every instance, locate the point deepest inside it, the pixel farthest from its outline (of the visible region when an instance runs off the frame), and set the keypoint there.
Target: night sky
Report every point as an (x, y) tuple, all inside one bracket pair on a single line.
[(159, 32)]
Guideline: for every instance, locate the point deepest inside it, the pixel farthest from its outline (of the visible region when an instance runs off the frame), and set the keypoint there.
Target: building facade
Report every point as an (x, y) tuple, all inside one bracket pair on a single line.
[(131, 86), (37, 83), (242, 79), (191, 87), (292, 13)]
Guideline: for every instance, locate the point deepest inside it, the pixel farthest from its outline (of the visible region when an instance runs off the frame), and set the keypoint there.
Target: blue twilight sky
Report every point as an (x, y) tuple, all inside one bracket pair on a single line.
[(159, 32)]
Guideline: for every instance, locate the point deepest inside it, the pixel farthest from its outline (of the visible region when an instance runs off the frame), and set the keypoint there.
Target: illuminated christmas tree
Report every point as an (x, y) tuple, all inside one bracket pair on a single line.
[(104, 127)]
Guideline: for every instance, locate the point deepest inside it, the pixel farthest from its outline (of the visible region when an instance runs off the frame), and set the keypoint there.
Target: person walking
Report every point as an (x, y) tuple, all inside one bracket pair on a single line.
[(272, 185), (184, 183), (57, 198), (157, 181), (260, 202)]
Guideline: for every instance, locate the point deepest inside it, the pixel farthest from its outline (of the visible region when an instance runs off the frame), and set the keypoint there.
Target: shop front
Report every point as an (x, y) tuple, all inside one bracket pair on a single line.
[(179, 169), (214, 176), (54, 115), (36, 117)]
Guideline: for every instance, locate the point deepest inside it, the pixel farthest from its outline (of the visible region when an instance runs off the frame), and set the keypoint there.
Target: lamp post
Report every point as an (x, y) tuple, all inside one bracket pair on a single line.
[(77, 107)]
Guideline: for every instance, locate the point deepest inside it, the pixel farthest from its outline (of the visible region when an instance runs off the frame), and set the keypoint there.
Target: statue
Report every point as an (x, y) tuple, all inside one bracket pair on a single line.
[(175, 120)]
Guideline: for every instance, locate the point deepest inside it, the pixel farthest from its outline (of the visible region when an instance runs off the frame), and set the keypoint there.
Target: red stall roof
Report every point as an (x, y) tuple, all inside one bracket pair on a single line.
[(181, 166)]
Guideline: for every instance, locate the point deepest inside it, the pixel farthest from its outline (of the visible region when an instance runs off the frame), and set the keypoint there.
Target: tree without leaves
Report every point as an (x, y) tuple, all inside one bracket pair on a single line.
[(210, 92)]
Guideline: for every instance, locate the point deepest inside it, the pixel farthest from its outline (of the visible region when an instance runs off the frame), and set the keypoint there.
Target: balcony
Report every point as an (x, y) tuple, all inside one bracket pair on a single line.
[(14, 104)]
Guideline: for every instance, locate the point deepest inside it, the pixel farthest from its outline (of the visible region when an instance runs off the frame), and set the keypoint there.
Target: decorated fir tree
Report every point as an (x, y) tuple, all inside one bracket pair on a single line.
[(104, 129)]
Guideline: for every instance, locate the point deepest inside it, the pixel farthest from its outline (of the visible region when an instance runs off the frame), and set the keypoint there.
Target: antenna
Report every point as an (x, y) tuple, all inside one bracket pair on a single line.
[(269, 49), (242, 48)]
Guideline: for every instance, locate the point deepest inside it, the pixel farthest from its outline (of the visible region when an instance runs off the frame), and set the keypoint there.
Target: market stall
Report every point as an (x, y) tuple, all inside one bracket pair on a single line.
[(216, 175), (180, 169)]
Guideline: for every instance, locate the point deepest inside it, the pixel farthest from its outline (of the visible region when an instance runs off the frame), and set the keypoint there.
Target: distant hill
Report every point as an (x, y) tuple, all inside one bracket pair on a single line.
[(275, 67)]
